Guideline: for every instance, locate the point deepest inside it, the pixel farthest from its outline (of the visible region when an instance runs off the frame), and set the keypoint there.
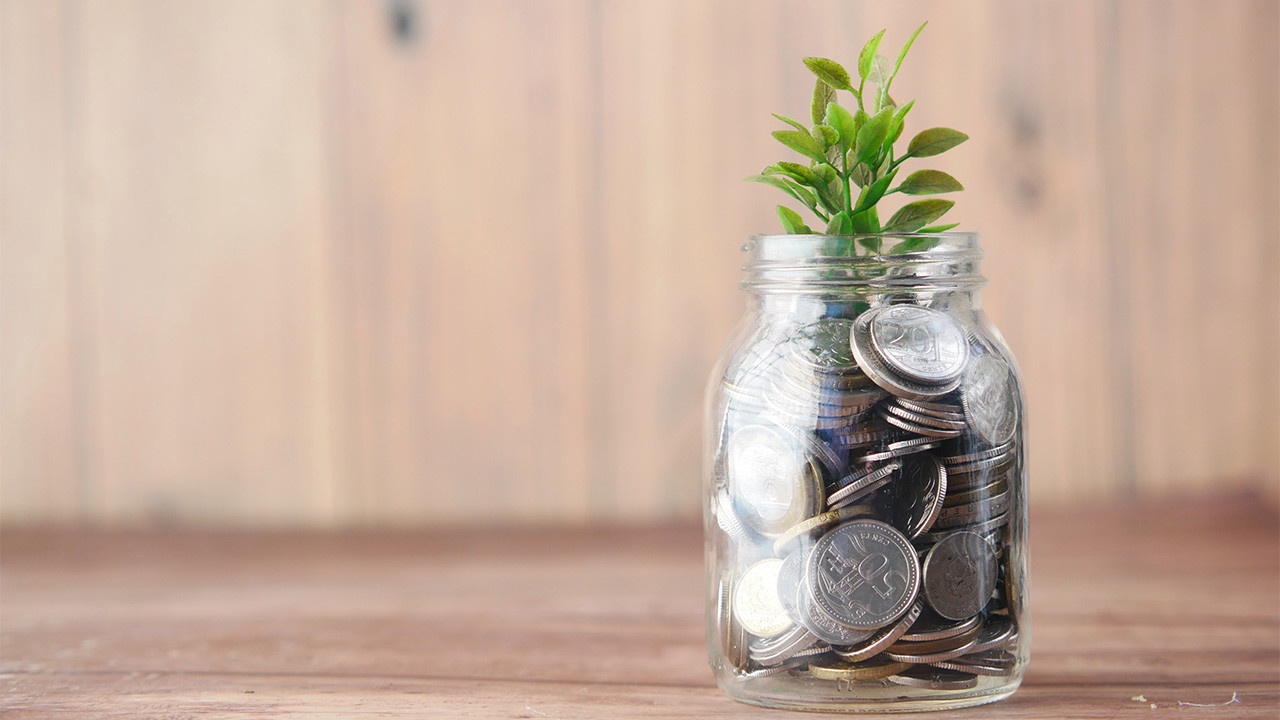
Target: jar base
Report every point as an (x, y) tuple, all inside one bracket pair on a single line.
[(881, 698)]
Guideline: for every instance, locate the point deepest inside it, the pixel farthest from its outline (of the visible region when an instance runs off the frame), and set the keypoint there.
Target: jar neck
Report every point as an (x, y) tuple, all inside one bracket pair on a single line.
[(833, 267)]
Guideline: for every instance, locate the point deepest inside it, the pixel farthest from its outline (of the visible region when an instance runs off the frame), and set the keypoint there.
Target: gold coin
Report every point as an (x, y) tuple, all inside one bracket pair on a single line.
[(875, 669)]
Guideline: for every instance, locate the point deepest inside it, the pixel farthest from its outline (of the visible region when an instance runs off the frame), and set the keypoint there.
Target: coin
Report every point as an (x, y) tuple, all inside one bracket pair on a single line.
[(922, 344), (917, 418), (944, 411), (880, 372), (900, 448), (932, 626), (790, 581), (935, 678), (990, 399), (756, 604), (817, 522), (857, 484), (863, 573), (919, 493), (997, 633), (999, 664), (874, 669), (877, 643), (733, 639), (824, 345), (782, 648), (772, 482), (932, 651), (987, 454), (959, 575), (727, 519), (921, 429), (825, 627)]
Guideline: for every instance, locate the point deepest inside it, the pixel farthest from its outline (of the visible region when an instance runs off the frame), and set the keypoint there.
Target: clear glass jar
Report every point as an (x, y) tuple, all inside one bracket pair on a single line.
[(865, 482)]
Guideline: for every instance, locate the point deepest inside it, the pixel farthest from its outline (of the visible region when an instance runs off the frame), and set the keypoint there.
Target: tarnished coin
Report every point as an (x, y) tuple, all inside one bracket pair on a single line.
[(923, 344), (756, 604), (998, 633), (874, 669), (935, 678), (990, 399), (959, 575), (919, 494), (883, 639), (771, 479), (881, 373), (863, 573)]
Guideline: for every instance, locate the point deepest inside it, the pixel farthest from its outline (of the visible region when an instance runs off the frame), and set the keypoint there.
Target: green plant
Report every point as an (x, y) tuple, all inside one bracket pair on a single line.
[(850, 150)]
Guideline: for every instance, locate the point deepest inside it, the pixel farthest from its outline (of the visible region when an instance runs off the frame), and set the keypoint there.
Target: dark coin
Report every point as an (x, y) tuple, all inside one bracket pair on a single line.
[(863, 573), (932, 626), (959, 575), (919, 493), (935, 678)]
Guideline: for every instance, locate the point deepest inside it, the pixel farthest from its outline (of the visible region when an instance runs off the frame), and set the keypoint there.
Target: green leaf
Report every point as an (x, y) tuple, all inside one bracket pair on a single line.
[(868, 54), (829, 72), (913, 216), (938, 228), (899, 121), (929, 182), (871, 137), (796, 171), (823, 95), (793, 123), (791, 221), (826, 135), (915, 244), (840, 224), (829, 187), (787, 186), (801, 142), (879, 70), (934, 141), (862, 175), (842, 120), (872, 193), (902, 55)]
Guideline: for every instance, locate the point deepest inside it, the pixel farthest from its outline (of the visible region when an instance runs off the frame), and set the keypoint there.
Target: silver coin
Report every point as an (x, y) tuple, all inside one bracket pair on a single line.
[(824, 345), (920, 491), (784, 647), (933, 651), (877, 643), (857, 484), (990, 399), (944, 411), (932, 626), (825, 627), (733, 639), (920, 343), (790, 582), (863, 573), (883, 375), (926, 430), (863, 493), (770, 478), (959, 575), (994, 665), (727, 519), (935, 678), (756, 604), (997, 451), (998, 633), (900, 448), (954, 516), (919, 418)]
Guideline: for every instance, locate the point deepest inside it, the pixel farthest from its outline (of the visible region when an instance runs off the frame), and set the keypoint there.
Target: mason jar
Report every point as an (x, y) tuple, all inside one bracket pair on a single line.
[(865, 483)]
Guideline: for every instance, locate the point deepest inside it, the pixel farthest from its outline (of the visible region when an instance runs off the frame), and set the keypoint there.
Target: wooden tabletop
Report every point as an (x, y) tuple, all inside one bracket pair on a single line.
[(1146, 611)]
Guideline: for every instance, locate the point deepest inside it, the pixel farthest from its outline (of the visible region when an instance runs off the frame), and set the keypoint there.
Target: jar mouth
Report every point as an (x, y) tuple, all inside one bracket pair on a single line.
[(887, 261)]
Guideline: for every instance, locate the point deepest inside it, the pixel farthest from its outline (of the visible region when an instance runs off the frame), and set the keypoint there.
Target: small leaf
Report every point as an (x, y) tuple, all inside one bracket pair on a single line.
[(825, 134), (793, 123), (868, 54), (802, 173), (823, 95), (862, 175), (879, 70), (789, 187), (938, 228), (801, 142), (872, 194), (792, 222), (913, 216), (902, 55), (842, 120), (934, 141), (929, 182), (829, 187), (840, 224), (899, 121), (871, 137), (914, 244), (829, 72)]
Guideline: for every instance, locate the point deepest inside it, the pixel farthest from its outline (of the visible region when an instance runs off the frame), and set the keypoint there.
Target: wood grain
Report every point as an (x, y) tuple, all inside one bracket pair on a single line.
[(1176, 602), (425, 261)]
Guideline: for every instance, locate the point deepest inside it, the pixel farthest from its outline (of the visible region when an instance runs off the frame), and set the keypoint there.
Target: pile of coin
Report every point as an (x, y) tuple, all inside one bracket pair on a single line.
[(866, 474)]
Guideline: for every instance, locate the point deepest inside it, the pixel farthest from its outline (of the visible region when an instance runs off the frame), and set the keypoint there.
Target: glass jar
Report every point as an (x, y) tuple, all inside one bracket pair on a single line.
[(865, 482)]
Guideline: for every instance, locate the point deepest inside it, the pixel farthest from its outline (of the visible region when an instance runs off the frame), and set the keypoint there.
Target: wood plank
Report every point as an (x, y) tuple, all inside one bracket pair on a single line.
[(40, 472), (1173, 601), (199, 192)]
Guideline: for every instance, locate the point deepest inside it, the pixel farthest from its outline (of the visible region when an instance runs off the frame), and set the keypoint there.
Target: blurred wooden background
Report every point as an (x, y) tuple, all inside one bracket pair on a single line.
[(441, 261)]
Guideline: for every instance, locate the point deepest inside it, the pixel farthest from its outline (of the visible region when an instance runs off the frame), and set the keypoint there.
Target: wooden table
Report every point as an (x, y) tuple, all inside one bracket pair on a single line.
[(1138, 611)]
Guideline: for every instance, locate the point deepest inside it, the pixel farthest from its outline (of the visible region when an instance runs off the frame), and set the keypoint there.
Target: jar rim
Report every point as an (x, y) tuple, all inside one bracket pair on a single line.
[(823, 263)]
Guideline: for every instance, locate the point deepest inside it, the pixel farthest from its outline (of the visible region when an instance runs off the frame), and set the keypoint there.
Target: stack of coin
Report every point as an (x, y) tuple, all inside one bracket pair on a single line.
[(866, 473)]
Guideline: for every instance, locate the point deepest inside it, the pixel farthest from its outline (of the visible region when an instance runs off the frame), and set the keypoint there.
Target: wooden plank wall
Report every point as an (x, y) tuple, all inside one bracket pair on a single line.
[(435, 261)]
